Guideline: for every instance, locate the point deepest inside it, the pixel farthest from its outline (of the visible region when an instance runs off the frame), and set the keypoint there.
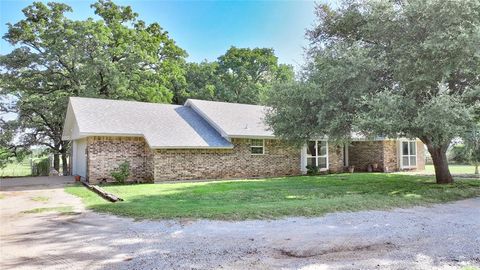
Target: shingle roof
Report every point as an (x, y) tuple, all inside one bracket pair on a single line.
[(162, 125), (233, 119)]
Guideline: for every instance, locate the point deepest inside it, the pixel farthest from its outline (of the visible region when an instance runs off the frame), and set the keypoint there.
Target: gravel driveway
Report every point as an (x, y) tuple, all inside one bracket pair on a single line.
[(440, 237)]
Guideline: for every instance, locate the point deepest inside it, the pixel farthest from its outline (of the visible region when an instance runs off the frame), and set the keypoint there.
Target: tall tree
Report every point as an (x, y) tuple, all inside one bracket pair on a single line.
[(117, 56), (202, 81), (246, 74), (395, 68), (240, 75), (10, 151)]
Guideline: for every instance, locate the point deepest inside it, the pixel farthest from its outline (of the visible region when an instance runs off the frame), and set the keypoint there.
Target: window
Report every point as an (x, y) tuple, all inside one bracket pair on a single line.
[(317, 154), (409, 154), (257, 146)]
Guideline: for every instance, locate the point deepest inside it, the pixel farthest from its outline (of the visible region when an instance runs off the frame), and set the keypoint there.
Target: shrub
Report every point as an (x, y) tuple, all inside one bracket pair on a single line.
[(458, 153), (122, 172), (312, 170), (41, 167)]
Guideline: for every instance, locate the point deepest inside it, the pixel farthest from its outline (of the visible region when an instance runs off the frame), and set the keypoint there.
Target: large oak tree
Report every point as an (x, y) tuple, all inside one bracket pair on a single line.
[(117, 56), (241, 75), (395, 68)]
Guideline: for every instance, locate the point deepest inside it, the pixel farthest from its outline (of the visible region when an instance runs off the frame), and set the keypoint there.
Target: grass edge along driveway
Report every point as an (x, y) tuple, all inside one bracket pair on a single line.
[(275, 197)]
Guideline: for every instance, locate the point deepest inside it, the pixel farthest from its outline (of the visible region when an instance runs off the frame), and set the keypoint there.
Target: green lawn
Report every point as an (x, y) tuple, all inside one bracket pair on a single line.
[(272, 198), (454, 169), (20, 169), (16, 169)]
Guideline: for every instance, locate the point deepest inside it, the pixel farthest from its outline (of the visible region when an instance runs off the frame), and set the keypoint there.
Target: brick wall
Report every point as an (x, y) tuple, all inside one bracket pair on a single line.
[(335, 158), (180, 164), (420, 156), (363, 153), (384, 153), (390, 156), (106, 153)]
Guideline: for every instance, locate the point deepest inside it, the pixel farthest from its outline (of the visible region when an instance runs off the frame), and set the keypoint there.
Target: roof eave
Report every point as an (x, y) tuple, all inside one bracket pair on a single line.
[(89, 134), (242, 136)]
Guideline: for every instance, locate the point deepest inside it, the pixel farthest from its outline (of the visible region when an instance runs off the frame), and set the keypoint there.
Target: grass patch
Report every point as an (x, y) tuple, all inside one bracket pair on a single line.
[(2, 196), (454, 169), (470, 268), (59, 209), (16, 169), (40, 199), (276, 197)]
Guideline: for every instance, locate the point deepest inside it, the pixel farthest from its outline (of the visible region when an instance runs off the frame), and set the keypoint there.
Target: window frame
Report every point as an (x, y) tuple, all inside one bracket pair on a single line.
[(409, 155), (257, 146), (317, 156)]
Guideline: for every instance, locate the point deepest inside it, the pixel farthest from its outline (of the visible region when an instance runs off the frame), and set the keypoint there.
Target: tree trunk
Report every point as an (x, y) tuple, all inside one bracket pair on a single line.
[(64, 163), (476, 169), (56, 161), (440, 163)]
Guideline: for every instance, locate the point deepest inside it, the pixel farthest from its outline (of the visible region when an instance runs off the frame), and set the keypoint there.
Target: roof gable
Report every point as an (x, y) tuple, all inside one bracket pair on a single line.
[(162, 125), (233, 120)]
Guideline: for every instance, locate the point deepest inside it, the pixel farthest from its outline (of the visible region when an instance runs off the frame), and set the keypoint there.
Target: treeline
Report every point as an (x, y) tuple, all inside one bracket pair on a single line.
[(117, 56)]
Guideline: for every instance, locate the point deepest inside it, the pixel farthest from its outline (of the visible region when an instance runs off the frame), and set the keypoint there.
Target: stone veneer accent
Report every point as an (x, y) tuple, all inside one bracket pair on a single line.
[(384, 153), (106, 153), (182, 164)]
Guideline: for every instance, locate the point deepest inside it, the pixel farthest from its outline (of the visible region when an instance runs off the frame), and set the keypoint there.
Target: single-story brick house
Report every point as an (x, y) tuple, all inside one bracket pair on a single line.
[(207, 140)]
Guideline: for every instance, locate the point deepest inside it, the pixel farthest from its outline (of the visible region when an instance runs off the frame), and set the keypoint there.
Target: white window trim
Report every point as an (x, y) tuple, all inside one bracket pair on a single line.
[(317, 154), (402, 166), (263, 147)]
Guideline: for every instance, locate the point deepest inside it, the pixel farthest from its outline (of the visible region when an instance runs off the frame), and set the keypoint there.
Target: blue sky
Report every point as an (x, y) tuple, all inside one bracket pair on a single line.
[(206, 29)]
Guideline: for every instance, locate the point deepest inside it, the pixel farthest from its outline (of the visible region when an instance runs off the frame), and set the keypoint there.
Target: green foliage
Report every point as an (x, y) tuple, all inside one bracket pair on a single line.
[(244, 73), (454, 168), (16, 169), (114, 55), (241, 75), (276, 197), (117, 56), (294, 109), (10, 152), (4, 157), (122, 172), (202, 81), (389, 68), (458, 153), (41, 167), (312, 170), (472, 146)]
